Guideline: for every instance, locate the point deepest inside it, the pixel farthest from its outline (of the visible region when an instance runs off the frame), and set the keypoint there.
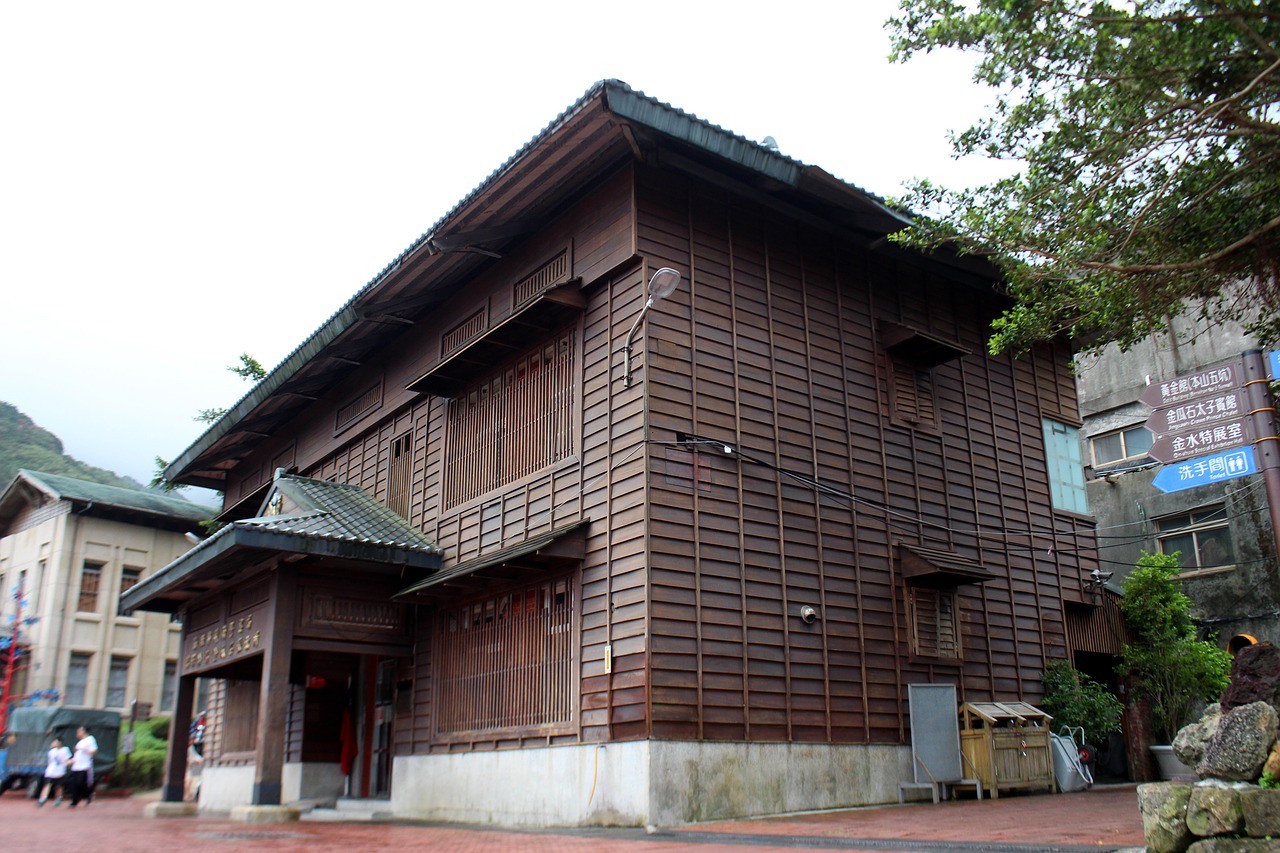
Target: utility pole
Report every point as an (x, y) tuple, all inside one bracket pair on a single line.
[(1266, 445)]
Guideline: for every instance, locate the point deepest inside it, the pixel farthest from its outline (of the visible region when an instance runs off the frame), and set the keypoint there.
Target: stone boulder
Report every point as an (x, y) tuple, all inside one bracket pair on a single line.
[(1255, 677), (1163, 806), (1241, 744), (1214, 811), (1190, 742)]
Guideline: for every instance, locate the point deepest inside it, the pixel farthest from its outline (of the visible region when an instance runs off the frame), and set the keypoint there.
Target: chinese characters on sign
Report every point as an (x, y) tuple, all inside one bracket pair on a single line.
[(1205, 470), (221, 643), (1197, 413), (1211, 439), (1193, 386)]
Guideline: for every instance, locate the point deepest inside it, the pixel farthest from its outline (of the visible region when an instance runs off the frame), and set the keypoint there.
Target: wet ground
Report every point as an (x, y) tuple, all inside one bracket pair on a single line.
[(1101, 819)]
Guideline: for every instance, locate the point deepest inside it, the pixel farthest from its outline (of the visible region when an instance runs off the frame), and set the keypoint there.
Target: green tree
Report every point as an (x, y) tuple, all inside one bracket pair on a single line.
[(1148, 135), (1175, 670)]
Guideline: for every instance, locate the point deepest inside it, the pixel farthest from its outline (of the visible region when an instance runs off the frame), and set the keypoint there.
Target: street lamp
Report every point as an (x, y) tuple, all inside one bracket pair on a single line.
[(662, 283)]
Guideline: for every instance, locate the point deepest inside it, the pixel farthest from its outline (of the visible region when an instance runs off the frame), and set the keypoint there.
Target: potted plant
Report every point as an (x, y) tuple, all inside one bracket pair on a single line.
[(1165, 661)]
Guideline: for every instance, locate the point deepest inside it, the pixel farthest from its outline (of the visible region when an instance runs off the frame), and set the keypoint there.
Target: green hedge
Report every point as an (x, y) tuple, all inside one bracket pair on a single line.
[(146, 764)]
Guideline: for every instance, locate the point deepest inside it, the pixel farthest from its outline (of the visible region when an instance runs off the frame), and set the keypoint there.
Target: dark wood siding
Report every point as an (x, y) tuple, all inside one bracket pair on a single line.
[(772, 347)]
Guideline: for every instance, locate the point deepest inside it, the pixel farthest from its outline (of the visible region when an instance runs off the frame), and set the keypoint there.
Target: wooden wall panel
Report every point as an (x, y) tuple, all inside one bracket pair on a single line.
[(772, 347)]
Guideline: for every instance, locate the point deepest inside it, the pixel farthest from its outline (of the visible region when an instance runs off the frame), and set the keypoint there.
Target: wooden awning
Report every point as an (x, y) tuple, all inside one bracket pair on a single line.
[(511, 335), (935, 567), (555, 549)]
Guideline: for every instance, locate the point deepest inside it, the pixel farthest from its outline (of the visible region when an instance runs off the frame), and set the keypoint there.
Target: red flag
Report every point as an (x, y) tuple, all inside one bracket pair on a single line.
[(349, 746)]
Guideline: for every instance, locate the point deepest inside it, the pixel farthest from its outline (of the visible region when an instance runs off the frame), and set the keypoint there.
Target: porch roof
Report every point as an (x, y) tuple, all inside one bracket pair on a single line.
[(936, 567), (555, 548), (333, 521)]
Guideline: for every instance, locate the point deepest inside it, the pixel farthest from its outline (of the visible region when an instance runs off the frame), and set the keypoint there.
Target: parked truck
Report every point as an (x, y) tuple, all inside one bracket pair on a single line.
[(26, 742)]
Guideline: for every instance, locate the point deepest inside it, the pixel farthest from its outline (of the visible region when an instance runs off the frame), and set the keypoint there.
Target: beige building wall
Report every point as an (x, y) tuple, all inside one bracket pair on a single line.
[(47, 553)]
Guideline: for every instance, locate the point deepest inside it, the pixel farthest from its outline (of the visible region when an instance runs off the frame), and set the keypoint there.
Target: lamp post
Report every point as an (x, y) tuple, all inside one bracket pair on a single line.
[(662, 283)]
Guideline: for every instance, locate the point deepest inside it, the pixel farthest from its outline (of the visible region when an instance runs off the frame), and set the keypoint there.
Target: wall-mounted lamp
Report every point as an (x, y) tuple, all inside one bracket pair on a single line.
[(808, 615), (662, 283), (1097, 580)]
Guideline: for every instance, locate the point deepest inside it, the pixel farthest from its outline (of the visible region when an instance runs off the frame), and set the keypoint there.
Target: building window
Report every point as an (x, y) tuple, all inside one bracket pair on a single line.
[(169, 686), (1201, 539), (117, 682), (400, 475), (1120, 445), (77, 679), (506, 662), (90, 580), (516, 422), (129, 578), (935, 623), (1066, 471), (912, 398)]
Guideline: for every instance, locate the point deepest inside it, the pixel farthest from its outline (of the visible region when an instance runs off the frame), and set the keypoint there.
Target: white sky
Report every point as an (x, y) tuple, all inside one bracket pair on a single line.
[(183, 182)]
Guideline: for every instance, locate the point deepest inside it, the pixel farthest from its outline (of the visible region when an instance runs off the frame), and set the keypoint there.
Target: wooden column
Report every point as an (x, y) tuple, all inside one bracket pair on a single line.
[(273, 698), (175, 769)]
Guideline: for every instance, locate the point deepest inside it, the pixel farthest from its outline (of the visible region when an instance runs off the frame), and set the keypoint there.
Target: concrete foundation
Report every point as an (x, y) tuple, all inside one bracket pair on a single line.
[(640, 783)]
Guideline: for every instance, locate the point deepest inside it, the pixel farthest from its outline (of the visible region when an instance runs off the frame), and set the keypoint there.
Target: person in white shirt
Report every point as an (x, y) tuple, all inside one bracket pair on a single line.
[(80, 780), (55, 773)]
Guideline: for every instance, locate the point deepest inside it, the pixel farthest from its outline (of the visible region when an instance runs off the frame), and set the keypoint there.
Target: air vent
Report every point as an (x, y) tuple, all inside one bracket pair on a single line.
[(366, 401), (552, 272), (463, 333)]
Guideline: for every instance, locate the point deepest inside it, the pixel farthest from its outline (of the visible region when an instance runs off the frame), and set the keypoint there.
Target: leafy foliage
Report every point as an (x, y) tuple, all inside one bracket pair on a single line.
[(1176, 671), (249, 368), (146, 764), (1074, 699), (24, 444), (1148, 134)]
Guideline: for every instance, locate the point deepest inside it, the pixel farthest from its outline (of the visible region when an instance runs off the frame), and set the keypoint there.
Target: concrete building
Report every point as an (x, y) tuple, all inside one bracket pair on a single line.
[(68, 548), (1222, 530)]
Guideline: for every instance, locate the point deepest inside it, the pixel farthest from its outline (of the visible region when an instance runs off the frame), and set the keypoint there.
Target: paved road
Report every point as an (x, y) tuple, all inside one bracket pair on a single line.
[(1102, 819)]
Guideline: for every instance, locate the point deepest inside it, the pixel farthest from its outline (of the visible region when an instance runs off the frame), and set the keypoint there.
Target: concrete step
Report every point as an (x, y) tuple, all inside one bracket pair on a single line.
[(350, 810)]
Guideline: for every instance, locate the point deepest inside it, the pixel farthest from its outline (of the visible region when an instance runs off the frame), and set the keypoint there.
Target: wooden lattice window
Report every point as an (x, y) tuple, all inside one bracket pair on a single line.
[(364, 402), (913, 401), (507, 661), (552, 272), (935, 622), (518, 421), (400, 474), (463, 333), (90, 581)]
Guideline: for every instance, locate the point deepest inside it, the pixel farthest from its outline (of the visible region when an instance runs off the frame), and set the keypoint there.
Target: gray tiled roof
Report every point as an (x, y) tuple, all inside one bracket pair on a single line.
[(338, 511), (71, 489)]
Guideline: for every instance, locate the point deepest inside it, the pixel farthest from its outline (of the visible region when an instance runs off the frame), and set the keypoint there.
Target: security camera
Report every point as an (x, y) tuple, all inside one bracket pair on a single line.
[(1100, 576), (808, 615)]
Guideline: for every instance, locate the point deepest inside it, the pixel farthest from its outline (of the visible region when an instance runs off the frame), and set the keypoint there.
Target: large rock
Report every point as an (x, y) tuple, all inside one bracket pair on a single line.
[(1261, 810), (1163, 806), (1189, 743), (1214, 811), (1255, 677), (1241, 744), (1234, 845)]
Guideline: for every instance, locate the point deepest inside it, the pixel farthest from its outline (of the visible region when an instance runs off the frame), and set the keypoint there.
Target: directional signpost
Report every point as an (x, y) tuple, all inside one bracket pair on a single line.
[(1204, 470), (1216, 425)]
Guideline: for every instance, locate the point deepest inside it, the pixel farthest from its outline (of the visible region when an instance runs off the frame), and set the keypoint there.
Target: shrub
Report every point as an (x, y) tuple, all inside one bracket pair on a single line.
[(1074, 699), (1174, 670), (150, 749)]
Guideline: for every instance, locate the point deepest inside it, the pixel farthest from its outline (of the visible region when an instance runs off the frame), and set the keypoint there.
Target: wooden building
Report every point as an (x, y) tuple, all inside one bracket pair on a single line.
[(565, 554)]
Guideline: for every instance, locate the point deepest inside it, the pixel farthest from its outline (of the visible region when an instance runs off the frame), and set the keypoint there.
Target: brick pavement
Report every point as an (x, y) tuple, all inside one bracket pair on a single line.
[(1102, 819)]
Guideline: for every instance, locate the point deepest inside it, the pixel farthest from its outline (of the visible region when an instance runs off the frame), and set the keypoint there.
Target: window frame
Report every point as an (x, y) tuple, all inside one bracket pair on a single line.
[(942, 639), (90, 569), (1127, 456), (1064, 466), (77, 662), (1199, 521), (118, 682)]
